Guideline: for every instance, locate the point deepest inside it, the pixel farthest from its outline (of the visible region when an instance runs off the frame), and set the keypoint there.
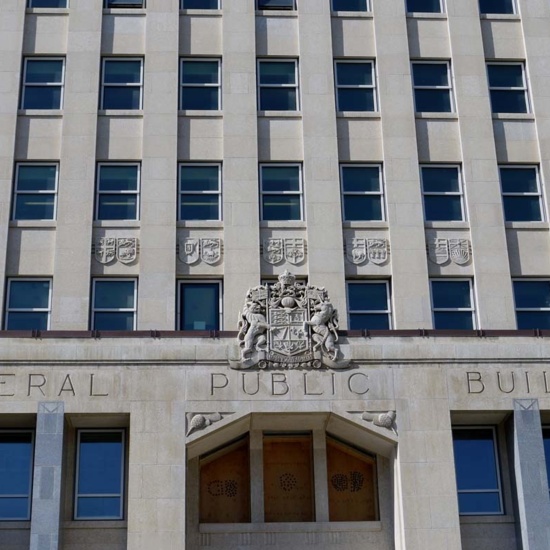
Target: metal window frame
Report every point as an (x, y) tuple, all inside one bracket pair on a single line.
[(368, 2), (387, 311), (139, 84), (94, 309), (31, 472), (514, 7), (181, 193), (137, 192), (60, 85), (538, 194), (459, 193), (293, 8), (9, 310), (498, 471), (380, 193), (30, 5), (217, 85), (372, 86), (129, 5), (296, 84), (181, 282), (122, 431), (300, 192), (17, 193), (448, 87), (471, 309), (441, 8), (524, 88), (182, 6), (528, 280)]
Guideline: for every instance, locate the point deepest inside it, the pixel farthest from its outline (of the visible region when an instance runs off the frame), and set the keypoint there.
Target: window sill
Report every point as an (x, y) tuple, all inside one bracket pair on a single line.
[(298, 527), (95, 524), (500, 16), (365, 225), (196, 113), (44, 113), (39, 224), (497, 518), (280, 114), (124, 11), (136, 113), (513, 116), (201, 224), (126, 224), (426, 15), (441, 116), (202, 13), (533, 226), (447, 225), (294, 224), (15, 525), (48, 11), (277, 13), (372, 115), (353, 14)]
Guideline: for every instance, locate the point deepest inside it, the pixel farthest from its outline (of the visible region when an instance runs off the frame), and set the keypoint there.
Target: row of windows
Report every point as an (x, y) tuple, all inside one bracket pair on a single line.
[(281, 192), (278, 85), (199, 305), (422, 6)]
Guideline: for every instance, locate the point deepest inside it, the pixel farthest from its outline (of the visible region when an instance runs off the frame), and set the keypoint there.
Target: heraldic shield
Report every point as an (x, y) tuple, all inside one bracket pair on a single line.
[(288, 325)]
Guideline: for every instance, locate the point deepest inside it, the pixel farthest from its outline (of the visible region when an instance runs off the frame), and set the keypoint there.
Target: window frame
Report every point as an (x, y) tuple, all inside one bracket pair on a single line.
[(60, 85), (276, 8), (459, 193), (137, 192), (47, 310), (122, 494), (356, 61), (300, 192), (183, 281), (524, 88), (30, 6), (538, 194), (104, 60), (181, 193), (388, 311), (441, 8), (527, 309), (497, 467), (449, 88), (489, 13), (129, 5), (218, 85), (31, 473), (367, 10), (295, 86), (380, 194), (472, 309), (17, 193), (93, 309), (182, 6)]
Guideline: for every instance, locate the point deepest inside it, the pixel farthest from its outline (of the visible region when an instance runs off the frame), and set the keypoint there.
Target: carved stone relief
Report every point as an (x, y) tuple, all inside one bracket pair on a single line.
[(443, 251), (360, 251), (198, 421), (207, 250), (382, 420), (107, 250), (291, 250)]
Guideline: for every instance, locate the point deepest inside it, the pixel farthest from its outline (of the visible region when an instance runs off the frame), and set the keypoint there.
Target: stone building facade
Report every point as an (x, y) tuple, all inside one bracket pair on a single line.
[(274, 274)]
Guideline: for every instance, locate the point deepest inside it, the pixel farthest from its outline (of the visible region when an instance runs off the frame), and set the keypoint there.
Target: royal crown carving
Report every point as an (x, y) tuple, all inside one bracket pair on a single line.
[(288, 325), (107, 250), (443, 251), (207, 250), (360, 251)]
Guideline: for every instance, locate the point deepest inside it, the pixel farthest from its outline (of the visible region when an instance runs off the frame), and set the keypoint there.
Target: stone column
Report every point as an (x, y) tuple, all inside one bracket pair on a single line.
[(533, 499), (48, 458)]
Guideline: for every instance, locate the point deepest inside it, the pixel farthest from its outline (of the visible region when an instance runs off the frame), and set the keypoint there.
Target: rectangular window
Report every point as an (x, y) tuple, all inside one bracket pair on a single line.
[(281, 192), (200, 84), (432, 86), (508, 87), (199, 305), (114, 304), (453, 304), (200, 192), (496, 6), (424, 6), (276, 4), (47, 4), (99, 484), (43, 83), (28, 304), (278, 85), (362, 192), (124, 3), (117, 191), (16, 470), (442, 193), (35, 192), (521, 193), (477, 471), (546, 439), (350, 5), (532, 298), (369, 305), (122, 83), (200, 4), (355, 86)]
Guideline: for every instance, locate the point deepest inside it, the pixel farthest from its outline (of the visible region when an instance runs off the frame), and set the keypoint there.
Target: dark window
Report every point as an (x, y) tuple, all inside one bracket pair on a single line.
[(349, 5), (477, 472), (369, 305), (200, 84), (432, 87), (424, 6), (496, 6), (114, 304), (28, 304), (442, 193), (507, 87), (521, 193), (122, 84), (199, 306), (362, 193), (124, 3), (276, 4), (35, 192), (281, 191), (453, 304), (47, 3), (117, 192), (355, 88), (278, 85), (532, 304), (42, 83), (200, 4), (199, 192)]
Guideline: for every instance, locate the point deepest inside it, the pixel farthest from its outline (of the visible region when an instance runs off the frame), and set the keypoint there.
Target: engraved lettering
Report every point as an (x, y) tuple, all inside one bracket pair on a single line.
[(70, 386), (500, 384), (306, 392), (257, 384), (3, 383), (475, 378), (357, 389), (213, 385), (92, 393), (278, 378), (39, 386)]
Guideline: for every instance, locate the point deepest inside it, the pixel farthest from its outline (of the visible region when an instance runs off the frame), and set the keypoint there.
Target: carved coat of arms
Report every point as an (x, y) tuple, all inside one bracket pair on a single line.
[(293, 250), (356, 251), (377, 250), (209, 250), (441, 251), (360, 250), (274, 251), (126, 251), (105, 250), (459, 251), (288, 325), (438, 251), (109, 249)]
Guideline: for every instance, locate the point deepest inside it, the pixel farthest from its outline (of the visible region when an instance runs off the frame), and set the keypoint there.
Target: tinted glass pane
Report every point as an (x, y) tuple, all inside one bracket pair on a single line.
[(453, 320), (14, 508), (200, 306), (496, 6), (199, 72), (368, 296), (115, 97), (440, 180), (40, 71), (354, 74), (280, 178), (505, 76), (206, 99), (349, 5), (430, 74), (275, 4), (546, 435), (479, 503), (200, 4), (432, 101), (124, 3), (27, 320), (508, 101), (118, 178), (362, 208), (114, 294), (278, 72), (117, 207), (369, 321), (48, 4), (281, 207), (119, 72), (36, 178), (29, 295), (532, 294), (360, 178), (34, 207), (199, 178), (522, 209), (199, 207), (425, 6), (15, 465), (113, 320), (355, 99), (277, 99), (442, 208), (451, 294), (533, 319), (42, 97), (518, 180), (99, 507)]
